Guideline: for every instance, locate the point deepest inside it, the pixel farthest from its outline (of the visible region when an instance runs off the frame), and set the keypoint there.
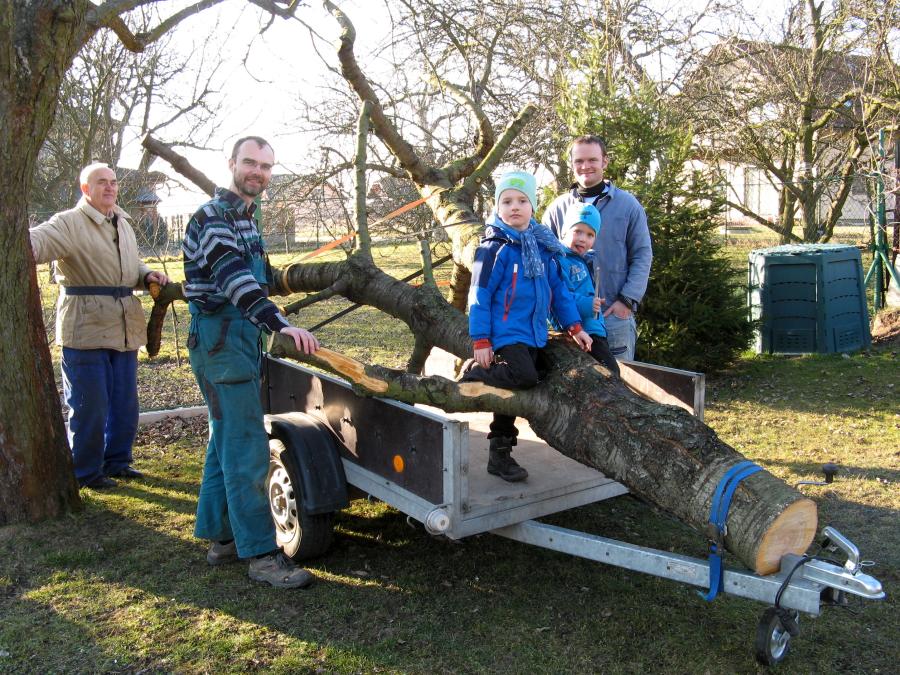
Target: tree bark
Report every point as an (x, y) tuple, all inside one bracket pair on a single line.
[(661, 453), (36, 477), (179, 163)]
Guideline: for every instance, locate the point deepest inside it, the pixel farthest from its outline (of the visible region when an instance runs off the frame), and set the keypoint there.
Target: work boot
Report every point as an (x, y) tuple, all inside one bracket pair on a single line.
[(101, 483), (221, 553), (279, 571), (500, 463), (127, 472)]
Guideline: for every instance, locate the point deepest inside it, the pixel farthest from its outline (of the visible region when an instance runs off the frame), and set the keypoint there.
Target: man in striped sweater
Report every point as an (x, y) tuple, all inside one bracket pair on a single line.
[(226, 282)]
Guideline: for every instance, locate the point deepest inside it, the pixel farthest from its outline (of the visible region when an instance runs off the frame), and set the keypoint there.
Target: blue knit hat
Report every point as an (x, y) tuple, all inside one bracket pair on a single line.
[(586, 214), (522, 181)]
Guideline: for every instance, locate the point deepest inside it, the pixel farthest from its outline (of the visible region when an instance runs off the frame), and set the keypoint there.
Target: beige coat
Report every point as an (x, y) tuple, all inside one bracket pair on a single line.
[(90, 251)]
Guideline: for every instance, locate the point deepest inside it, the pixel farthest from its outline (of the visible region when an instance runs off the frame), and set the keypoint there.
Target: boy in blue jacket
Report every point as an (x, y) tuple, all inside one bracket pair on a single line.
[(579, 230), (516, 281)]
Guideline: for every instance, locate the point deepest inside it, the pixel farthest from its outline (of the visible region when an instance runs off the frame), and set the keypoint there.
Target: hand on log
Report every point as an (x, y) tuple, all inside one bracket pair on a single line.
[(369, 380), (163, 296)]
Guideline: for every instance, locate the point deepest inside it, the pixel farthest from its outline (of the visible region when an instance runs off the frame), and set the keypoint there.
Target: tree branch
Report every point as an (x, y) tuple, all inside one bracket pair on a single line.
[(463, 166), (369, 380), (762, 221), (179, 163), (137, 42), (492, 160), (402, 150), (337, 288), (420, 352), (363, 240)]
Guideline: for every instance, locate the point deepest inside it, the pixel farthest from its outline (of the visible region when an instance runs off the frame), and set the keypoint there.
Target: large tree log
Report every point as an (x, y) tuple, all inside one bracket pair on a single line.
[(660, 452)]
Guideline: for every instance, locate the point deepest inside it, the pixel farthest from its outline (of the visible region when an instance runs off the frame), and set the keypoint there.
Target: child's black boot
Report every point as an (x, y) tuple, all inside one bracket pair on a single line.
[(500, 463)]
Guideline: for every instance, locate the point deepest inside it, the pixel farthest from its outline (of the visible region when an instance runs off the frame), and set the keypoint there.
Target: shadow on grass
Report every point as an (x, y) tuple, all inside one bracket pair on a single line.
[(387, 597), (152, 491), (803, 468), (31, 632)]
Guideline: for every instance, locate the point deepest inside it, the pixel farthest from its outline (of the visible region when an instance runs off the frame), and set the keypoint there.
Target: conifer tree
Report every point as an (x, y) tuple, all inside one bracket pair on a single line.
[(693, 315)]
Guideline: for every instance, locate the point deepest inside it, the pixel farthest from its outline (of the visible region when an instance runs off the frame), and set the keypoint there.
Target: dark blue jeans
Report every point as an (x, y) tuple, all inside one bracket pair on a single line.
[(100, 386)]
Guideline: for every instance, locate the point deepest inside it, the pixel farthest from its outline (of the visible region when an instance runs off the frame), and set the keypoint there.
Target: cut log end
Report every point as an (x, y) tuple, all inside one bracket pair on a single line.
[(791, 532)]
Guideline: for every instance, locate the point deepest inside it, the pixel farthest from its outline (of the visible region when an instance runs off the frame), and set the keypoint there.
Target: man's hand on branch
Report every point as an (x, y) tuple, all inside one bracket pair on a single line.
[(305, 341), (156, 278)]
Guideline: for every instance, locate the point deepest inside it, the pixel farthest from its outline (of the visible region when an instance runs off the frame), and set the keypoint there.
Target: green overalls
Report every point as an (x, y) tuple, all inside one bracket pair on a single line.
[(226, 352)]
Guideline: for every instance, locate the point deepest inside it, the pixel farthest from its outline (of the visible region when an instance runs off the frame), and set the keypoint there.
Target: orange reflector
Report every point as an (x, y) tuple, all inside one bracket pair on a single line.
[(399, 464)]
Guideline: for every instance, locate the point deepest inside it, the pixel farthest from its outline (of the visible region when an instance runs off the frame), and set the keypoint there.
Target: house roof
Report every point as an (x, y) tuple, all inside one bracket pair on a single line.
[(147, 196)]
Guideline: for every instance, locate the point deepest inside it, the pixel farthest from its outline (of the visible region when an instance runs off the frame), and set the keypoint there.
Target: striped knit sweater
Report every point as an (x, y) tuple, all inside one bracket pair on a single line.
[(221, 239)]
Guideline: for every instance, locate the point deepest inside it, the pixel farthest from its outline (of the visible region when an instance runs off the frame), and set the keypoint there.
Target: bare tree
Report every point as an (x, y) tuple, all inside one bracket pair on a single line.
[(41, 39), (111, 94), (805, 109)]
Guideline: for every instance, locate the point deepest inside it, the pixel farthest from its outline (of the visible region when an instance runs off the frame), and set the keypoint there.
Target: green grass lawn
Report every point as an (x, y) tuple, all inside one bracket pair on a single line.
[(124, 587)]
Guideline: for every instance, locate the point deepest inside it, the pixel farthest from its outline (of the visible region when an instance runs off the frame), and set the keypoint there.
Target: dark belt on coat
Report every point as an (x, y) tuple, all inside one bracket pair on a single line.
[(112, 291)]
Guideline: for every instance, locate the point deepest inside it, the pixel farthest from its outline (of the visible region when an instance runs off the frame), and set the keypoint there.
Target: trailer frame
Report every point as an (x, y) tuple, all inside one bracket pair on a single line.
[(420, 461)]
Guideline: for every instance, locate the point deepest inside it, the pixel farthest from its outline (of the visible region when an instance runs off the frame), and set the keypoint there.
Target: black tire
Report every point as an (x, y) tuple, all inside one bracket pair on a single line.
[(299, 534), (772, 639)]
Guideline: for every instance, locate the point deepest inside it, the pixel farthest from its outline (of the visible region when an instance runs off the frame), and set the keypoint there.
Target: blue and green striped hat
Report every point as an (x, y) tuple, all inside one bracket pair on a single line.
[(522, 181)]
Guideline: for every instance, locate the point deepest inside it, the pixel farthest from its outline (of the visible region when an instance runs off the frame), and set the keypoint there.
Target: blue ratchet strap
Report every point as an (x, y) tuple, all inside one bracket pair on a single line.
[(716, 529)]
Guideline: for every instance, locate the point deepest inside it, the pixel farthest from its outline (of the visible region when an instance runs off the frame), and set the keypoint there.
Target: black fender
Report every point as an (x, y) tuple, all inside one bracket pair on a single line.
[(323, 484)]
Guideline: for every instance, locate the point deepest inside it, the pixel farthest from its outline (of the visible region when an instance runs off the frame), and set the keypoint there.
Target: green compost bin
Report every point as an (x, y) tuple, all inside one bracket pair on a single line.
[(808, 298)]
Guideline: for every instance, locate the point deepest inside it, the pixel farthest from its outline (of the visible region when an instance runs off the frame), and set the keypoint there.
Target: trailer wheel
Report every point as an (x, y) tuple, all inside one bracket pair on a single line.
[(301, 535), (772, 638)]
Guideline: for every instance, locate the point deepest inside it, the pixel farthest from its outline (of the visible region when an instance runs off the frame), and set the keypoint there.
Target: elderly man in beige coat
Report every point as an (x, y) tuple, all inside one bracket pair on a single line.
[(99, 324)]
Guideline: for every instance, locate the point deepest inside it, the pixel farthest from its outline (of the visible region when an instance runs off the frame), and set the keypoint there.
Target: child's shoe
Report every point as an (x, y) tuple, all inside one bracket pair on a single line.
[(500, 463)]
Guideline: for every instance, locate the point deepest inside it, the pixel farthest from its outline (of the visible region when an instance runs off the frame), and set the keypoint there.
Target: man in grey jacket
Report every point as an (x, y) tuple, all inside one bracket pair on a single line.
[(622, 252), (99, 324)]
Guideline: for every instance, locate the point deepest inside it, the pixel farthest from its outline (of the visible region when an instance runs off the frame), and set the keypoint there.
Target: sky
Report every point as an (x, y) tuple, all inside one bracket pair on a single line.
[(282, 64)]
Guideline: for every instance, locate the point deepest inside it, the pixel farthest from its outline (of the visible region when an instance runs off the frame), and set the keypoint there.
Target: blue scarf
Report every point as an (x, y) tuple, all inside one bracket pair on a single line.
[(537, 236)]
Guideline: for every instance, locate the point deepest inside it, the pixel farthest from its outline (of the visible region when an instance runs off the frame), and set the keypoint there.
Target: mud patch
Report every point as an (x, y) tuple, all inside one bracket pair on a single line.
[(886, 329)]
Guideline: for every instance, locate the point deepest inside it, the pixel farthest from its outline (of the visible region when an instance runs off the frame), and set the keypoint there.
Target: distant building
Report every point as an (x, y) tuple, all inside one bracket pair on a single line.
[(296, 210)]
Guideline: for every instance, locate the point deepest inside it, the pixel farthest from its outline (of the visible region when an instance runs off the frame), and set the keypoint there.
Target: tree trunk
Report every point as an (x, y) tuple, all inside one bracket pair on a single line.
[(786, 208), (661, 453), (36, 477)]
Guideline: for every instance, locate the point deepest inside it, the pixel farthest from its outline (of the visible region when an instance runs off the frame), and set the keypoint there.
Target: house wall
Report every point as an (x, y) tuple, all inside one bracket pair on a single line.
[(748, 185)]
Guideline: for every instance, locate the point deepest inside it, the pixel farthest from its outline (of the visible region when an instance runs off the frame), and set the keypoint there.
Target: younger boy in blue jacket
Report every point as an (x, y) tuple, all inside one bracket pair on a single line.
[(515, 282), (579, 230)]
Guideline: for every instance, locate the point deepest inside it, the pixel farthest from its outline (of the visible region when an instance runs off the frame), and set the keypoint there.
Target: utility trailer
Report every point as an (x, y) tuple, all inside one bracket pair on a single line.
[(328, 444)]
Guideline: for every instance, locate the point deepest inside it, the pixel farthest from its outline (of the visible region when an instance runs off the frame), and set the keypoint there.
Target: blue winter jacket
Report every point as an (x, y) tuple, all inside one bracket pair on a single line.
[(576, 274), (507, 307), (623, 250)]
